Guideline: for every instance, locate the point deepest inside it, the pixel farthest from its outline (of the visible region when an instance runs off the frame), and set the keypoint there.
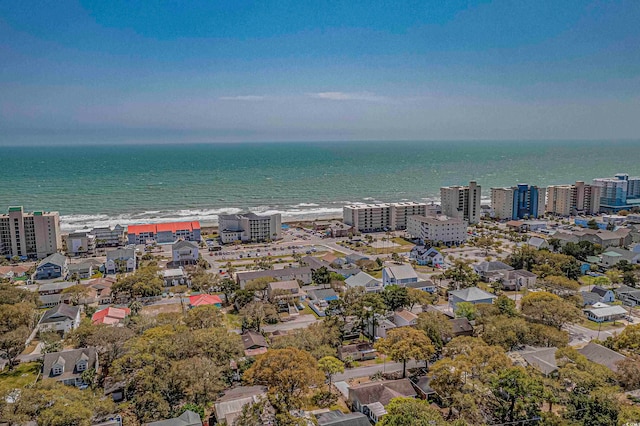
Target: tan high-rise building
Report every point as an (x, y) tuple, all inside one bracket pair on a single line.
[(34, 235), (565, 200), (462, 202), (380, 217)]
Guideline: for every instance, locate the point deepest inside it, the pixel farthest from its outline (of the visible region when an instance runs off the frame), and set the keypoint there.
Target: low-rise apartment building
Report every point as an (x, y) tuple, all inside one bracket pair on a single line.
[(80, 243), (163, 232), (380, 217), (249, 227), (33, 235), (435, 229), (109, 237)]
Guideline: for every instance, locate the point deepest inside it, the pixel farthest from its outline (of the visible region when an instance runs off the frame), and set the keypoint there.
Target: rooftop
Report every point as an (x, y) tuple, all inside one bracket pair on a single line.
[(472, 294)]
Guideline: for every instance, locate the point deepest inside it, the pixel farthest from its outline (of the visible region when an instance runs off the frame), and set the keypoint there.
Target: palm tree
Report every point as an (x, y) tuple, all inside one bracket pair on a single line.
[(135, 307)]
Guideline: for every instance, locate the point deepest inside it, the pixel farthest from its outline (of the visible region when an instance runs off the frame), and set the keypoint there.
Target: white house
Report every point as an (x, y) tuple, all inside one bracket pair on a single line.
[(426, 285), (362, 279), (184, 253), (518, 279), (120, 260), (62, 318), (399, 275), (173, 277), (610, 313), (424, 255), (405, 318)]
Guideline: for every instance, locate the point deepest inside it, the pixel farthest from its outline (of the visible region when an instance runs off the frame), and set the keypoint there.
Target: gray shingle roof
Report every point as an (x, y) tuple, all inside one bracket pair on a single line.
[(59, 313), (55, 259), (338, 418), (472, 294), (274, 273), (184, 243), (69, 359), (601, 355), (188, 418), (492, 266), (121, 253), (361, 279)]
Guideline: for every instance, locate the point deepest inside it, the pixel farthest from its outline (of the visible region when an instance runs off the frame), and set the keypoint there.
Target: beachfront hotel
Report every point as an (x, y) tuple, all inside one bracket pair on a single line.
[(381, 217), (32, 235), (579, 198), (620, 192), (461, 202), (443, 229), (518, 202), (249, 227), (163, 232)]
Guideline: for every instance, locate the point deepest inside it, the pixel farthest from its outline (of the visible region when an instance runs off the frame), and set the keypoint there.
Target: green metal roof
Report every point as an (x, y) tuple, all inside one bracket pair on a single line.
[(15, 209)]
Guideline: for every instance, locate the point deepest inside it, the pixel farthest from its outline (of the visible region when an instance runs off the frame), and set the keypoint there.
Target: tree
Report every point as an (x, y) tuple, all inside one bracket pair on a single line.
[(486, 243), (321, 276), (330, 365), (517, 395), (461, 274), (288, 374), (243, 298), (629, 373), (403, 344), (554, 243), (207, 316), (259, 286), (320, 339), (76, 292), (466, 310), (110, 344), (12, 344), (437, 328), (395, 297), (506, 306), (628, 340), (228, 287), (629, 279), (419, 297), (135, 307), (592, 224), (256, 313), (411, 412), (560, 283), (549, 309), (257, 414)]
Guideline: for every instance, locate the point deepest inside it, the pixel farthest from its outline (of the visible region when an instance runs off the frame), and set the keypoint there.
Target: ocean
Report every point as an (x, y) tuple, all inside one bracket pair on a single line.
[(118, 184)]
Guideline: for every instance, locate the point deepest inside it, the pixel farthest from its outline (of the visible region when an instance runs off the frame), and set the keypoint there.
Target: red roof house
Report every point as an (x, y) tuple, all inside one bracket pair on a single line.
[(110, 316), (205, 299)]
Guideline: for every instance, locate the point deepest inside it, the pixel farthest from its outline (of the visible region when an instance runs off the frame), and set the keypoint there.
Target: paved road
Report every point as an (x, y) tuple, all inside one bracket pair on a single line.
[(580, 335), (389, 367)]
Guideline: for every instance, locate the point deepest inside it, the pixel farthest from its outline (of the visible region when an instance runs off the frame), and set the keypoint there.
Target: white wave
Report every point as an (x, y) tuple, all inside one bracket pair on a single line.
[(306, 205), (205, 216)]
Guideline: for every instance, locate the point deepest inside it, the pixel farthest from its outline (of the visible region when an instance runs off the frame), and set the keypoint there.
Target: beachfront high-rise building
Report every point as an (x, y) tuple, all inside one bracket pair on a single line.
[(461, 202), (565, 200), (620, 192), (518, 202), (249, 227), (437, 229), (33, 235), (380, 217)]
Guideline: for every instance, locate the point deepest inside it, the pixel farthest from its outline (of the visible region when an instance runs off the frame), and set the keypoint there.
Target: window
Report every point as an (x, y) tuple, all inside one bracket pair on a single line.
[(57, 370), (81, 366)]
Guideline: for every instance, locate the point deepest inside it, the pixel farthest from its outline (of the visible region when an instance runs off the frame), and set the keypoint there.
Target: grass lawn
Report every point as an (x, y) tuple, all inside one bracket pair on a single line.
[(23, 375), (605, 325), (589, 280), (308, 311), (376, 274)]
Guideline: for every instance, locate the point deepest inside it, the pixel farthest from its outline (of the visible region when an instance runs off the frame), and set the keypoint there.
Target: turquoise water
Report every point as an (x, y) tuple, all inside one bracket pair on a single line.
[(100, 184)]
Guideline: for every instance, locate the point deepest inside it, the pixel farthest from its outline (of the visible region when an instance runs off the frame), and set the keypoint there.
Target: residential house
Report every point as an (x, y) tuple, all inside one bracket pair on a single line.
[(62, 318), (472, 295), (426, 285), (614, 255), (353, 258), (606, 296), (81, 270), (13, 272), (371, 399), (399, 275), (630, 296), (184, 253), (461, 327), (338, 418), (204, 300), (120, 260), (101, 289), (605, 314), (517, 226), (52, 266), (603, 356), (542, 359), (538, 243), (174, 277), (405, 318), (254, 343), (362, 279), (425, 255), (360, 351), (491, 271), (110, 316), (383, 325), (322, 295), (188, 418), (67, 366), (284, 290), (80, 243), (229, 406), (286, 274), (54, 287), (518, 279)]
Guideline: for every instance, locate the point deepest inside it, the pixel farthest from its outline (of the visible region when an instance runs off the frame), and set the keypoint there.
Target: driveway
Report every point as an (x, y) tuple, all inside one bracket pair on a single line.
[(389, 367)]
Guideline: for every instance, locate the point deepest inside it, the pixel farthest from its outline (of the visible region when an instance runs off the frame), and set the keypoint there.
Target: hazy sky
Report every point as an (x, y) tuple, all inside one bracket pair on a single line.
[(236, 70)]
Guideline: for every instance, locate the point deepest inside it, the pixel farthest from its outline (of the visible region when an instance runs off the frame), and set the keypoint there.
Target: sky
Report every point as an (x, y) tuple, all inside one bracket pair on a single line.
[(215, 71)]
